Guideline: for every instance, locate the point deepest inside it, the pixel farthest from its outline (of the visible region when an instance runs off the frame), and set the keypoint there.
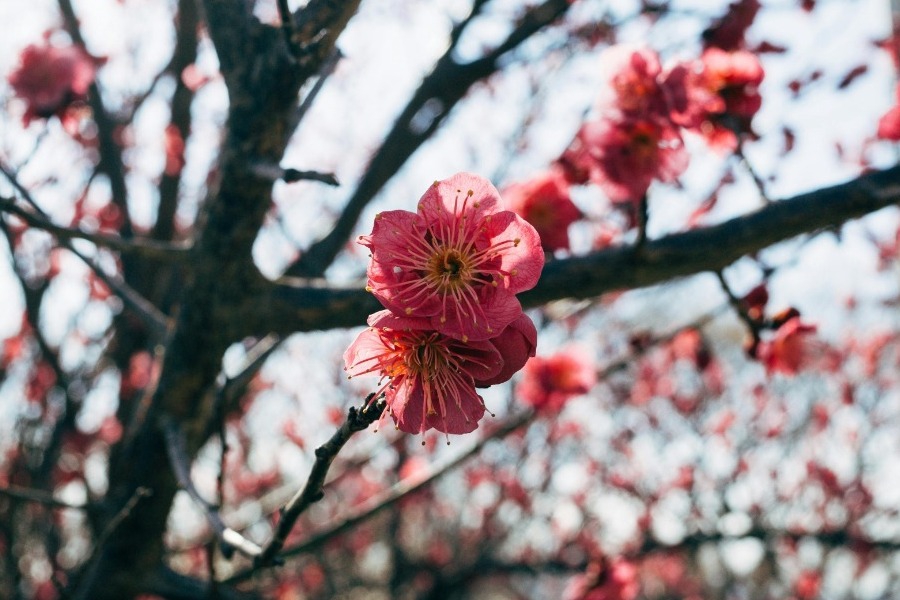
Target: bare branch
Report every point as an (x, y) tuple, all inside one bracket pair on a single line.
[(272, 172), (378, 503), (83, 585), (176, 448), (317, 27), (110, 152), (357, 420), (143, 247), (438, 93), (38, 496), (305, 305), (287, 23), (154, 318), (324, 73)]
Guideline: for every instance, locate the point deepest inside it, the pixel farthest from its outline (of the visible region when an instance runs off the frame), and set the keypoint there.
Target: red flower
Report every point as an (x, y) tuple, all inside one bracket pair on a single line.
[(636, 82), (889, 124), (790, 349), (49, 79), (548, 383), (516, 344), (544, 202), (735, 78), (431, 377), (623, 157), (616, 581), (459, 261)]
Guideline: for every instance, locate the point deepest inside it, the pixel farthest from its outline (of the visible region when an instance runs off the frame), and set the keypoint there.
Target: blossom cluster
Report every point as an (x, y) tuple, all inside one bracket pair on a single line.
[(50, 79), (447, 276), (638, 134)]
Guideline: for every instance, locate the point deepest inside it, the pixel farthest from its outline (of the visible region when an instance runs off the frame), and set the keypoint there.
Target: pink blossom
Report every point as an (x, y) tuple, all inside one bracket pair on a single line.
[(623, 157), (635, 83), (431, 377), (459, 261), (516, 344), (889, 124), (791, 348), (544, 202), (735, 78), (602, 581), (548, 383), (49, 79)]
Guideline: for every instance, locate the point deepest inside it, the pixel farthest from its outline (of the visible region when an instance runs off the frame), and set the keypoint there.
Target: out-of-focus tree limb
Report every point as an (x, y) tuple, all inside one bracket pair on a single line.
[(148, 248), (438, 93), (358, 419), (38, 496), (378, 503), (219, 278), (110, 152), (292, 305)]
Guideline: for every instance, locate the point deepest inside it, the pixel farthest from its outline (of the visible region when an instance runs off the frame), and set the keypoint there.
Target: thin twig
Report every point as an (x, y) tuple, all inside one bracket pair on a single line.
[(38, 496), (176, 448), (152, 316), (272, 172), (754, 325), (145, 247), (229, 388), (325, 72), (757, 180), (643, 215), (357, 420), (378, 503), (83, 585), (287, 23)]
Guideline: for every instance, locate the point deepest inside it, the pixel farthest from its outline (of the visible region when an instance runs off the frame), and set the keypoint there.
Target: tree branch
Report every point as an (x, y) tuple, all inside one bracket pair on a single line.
[(144, 247), (305, 305), (154, 318), (176, 448), (38, 496), (357, 420), (110, 152), (83, 584), (378, 503), (438, 93)]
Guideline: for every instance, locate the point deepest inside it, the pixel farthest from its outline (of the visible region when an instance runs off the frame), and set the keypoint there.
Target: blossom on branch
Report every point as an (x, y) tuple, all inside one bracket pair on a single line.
[(792, 348), (431, 377), (636, 83), (548, 383), (889, 124), (624, 156), (544, 202), (50, 79), (458, 261), (617, 580), (734, 78)]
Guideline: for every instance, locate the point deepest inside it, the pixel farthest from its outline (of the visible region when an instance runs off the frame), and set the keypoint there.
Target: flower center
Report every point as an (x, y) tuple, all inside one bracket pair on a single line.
[(449, 269)]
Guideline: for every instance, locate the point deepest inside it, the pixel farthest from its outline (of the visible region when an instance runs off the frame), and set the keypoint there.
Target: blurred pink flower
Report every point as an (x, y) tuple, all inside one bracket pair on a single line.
[(602, 581), (623, 157), (548, 383), (889, 124), (459, 261), (49, 79), (636, 83), (544, 202), (791, 349)]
